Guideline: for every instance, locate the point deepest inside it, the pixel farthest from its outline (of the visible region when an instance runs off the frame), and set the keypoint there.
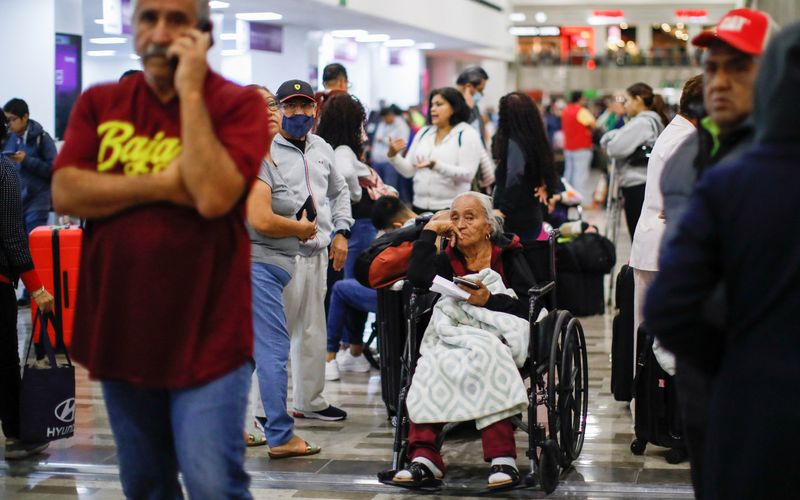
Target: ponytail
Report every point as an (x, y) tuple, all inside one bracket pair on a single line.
[(660, 107)]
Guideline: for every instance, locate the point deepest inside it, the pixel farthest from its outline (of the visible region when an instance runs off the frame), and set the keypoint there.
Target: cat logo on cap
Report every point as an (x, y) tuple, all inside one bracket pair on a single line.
[(297, 86)]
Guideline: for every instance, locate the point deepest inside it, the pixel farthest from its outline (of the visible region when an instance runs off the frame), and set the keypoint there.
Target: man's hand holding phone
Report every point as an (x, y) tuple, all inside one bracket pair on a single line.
[(191, 51)]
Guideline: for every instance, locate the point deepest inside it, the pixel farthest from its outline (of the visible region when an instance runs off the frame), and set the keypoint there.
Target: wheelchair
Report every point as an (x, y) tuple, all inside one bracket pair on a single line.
[(557, 369)]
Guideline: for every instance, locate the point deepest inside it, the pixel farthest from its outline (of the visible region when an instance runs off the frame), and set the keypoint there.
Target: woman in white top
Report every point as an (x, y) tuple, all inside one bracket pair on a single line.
[(444, 156)]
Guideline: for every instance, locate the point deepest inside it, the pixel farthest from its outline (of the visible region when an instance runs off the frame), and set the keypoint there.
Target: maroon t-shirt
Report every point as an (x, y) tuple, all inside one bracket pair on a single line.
[(164, 294)]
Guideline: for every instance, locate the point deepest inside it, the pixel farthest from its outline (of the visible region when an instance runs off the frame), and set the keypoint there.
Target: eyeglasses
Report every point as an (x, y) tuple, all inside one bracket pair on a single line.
[(293, 107), (272, 105)]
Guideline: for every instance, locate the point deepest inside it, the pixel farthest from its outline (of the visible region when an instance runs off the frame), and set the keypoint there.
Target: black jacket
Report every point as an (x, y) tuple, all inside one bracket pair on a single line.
[(426, 264), (15, 256), (740, 230)]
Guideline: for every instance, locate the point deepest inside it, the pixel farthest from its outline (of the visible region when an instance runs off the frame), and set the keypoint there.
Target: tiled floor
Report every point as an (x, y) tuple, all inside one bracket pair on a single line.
[(355, 450)]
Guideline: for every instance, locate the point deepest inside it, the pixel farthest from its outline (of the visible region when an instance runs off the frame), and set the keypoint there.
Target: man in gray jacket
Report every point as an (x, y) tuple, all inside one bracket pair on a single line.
[(730, 66), (306, 162)]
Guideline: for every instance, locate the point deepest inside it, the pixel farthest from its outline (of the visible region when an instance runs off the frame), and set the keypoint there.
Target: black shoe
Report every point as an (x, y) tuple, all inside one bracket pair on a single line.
[(18, 450), (330, 414)]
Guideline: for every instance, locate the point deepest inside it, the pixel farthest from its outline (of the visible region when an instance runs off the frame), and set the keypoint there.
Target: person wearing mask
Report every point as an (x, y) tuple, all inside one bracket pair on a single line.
[(525, 170), (631, 145), (471, 83), (730, 65), (163, 316), (277, 223), (15, 263), (392, 125), (577, 123), (753, 405), (650, 229), (327, 197), (33, 150), (351, 301), (443, 157)]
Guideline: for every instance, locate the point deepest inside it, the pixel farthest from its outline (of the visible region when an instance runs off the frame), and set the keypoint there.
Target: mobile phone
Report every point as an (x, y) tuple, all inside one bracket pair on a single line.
[(458, 280), (309, 208), (205, 27)]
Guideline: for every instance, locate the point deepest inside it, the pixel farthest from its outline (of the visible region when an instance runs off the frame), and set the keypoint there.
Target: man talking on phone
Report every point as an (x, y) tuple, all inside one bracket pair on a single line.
[(160, 165)]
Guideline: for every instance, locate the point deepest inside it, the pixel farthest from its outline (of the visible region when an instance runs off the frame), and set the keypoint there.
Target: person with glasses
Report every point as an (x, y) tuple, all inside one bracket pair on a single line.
[(277, 223), (307, 163)]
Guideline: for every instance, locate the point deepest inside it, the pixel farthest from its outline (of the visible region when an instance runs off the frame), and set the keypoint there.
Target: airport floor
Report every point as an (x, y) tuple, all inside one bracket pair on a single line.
[(353, 451)]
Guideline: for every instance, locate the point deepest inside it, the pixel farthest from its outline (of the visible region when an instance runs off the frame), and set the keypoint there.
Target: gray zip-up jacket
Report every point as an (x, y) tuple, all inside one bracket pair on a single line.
[(313, 173), (620, 144)]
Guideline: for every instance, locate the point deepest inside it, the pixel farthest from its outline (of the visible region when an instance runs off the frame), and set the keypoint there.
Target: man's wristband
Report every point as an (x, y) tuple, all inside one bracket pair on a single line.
[(344, 232), (38, 293)]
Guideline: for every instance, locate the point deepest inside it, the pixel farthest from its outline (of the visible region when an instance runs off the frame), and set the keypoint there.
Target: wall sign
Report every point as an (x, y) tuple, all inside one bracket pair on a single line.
[(266, 37)]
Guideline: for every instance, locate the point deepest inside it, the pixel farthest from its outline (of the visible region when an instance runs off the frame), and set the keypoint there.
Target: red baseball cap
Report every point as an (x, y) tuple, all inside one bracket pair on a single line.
[(745, 30)]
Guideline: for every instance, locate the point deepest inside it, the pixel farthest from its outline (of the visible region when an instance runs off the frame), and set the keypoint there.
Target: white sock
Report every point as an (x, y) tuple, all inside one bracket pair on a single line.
[(405, 474), (499, 477)]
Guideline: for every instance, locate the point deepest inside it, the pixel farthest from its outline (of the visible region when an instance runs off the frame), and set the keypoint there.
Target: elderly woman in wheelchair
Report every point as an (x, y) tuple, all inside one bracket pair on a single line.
[(472, 349)]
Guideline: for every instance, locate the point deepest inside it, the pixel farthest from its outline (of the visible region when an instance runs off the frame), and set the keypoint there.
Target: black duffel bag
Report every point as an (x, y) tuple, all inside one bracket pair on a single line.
[(590, 253), (47, 395)]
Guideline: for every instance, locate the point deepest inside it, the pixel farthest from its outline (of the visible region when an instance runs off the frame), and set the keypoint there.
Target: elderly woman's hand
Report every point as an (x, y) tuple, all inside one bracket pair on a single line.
[(442, 227), (477, 297)]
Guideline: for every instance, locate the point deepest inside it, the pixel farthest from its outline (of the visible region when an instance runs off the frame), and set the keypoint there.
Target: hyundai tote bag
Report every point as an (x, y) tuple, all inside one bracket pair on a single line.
[(47, 394)]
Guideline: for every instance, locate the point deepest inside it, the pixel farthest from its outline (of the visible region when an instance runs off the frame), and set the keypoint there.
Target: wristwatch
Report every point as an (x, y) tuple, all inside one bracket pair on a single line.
[(344, 232)]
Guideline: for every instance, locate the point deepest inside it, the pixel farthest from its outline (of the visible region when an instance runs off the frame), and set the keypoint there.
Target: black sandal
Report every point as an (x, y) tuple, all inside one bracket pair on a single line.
[(421, 477), (512, 472)]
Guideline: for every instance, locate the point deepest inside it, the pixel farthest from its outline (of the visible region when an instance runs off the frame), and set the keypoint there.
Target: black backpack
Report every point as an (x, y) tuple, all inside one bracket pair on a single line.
[(588, 253), (389, 239)]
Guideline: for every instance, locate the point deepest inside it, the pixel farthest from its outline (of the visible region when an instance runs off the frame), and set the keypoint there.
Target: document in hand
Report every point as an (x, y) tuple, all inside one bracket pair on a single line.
[(448, 288)]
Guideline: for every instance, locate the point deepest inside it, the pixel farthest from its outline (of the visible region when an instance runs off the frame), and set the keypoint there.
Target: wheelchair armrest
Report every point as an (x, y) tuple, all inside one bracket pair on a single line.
[(541, 289)]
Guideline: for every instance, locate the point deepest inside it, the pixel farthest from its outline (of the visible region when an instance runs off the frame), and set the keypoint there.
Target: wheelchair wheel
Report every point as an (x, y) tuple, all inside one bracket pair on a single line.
[(573, 393), (548, 466), (554, 373)]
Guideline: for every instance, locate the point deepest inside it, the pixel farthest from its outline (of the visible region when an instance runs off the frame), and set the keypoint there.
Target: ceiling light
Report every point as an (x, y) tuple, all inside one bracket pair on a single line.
[(111, 40), (623, 26), (216, 4), (101, 53), (373, 38), (134, 57), (403, 42), (518, 17), (426, 46), (228, 36), (232, 52), (259, 16), (535, 31), (348, 33), (540, 17), (100, 21), (666, 27)]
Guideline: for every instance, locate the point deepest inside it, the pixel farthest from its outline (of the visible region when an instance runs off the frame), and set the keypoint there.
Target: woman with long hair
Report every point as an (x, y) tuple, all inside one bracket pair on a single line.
[(525, 171), (443, 156), (631, 146), (342, 126)]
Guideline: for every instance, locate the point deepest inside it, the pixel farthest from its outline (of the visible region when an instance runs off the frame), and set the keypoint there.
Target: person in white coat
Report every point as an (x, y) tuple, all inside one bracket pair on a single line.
[(443, 157), (650, 229)]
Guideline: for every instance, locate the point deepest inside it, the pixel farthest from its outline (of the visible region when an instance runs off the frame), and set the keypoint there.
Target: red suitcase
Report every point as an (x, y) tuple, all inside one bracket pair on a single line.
[(56, 252)]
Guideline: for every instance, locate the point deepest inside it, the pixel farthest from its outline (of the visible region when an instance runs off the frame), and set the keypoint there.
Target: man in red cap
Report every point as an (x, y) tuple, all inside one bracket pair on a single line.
[(730, 66)]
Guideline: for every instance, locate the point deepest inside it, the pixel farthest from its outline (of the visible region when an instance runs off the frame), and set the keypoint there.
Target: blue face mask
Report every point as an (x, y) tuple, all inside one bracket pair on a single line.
[(476, 97), (298, 125)]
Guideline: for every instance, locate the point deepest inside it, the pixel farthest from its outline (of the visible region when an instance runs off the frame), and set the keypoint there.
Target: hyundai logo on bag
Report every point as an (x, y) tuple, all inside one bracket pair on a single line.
[(65, 411)]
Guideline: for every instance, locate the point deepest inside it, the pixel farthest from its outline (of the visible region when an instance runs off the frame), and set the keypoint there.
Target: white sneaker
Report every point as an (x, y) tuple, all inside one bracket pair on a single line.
[(349, 363), (331, 370)]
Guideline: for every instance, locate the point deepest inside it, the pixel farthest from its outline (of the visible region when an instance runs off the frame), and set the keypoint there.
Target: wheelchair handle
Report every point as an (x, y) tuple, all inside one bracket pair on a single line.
[(539, 290)]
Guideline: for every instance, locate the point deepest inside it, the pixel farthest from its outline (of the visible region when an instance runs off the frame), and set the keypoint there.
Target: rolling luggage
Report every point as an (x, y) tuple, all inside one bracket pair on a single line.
[(623, 357), (581, 265), (657, 416), (56, 252)]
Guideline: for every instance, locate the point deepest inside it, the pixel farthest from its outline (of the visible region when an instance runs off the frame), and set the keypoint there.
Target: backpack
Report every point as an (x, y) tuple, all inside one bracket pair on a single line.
[(386, 260), (588, 253)]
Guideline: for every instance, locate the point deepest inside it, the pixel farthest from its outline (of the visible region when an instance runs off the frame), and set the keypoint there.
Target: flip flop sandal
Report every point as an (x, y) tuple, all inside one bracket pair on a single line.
[(512, 472), (253, 440), (311, 449), (421, 478)]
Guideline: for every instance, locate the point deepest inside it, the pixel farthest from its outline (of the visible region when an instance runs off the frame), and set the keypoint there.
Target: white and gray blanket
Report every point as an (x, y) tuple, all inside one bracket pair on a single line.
[(466, 372)]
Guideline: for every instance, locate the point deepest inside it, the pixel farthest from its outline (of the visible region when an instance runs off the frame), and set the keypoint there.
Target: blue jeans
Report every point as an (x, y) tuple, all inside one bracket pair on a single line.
[(271, 349), (349, 297), (361, 235), (391, 177), (576, 170), (197, 431)]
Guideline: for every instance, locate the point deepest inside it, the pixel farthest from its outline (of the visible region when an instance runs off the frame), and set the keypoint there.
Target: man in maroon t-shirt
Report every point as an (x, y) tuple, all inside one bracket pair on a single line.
[(159, 165)]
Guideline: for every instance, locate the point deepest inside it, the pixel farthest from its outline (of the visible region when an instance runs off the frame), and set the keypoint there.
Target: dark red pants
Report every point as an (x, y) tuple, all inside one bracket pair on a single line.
[(497, 439)]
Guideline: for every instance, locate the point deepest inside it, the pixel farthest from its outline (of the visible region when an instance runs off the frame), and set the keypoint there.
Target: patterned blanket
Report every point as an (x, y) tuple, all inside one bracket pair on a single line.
[(466, 372)]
